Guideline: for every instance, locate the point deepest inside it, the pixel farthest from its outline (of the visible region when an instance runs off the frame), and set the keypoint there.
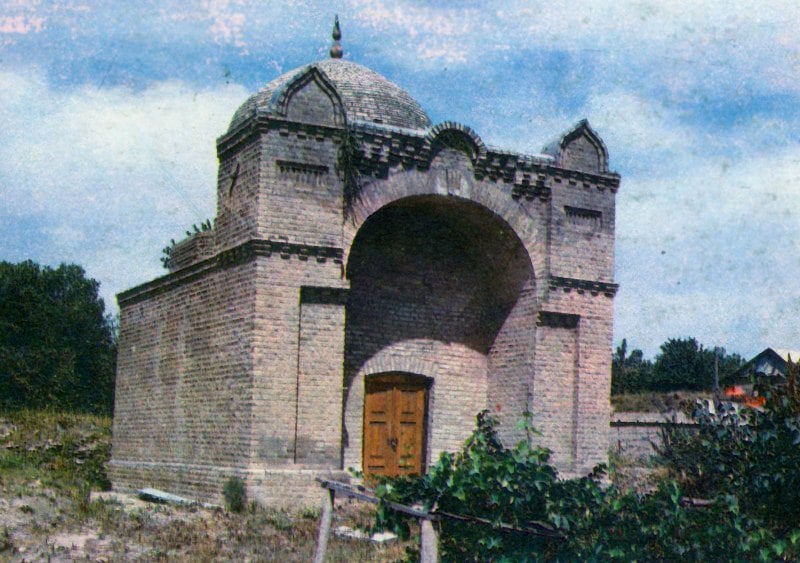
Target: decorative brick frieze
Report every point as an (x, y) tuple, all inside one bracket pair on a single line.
[(382, 147), (264, 124), (531, 188), (589, 219), (608, 181), (301, 168), (582, 286)]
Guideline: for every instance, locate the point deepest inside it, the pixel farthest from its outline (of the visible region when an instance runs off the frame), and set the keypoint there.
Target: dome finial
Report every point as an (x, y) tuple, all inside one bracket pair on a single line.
[(336, 49)]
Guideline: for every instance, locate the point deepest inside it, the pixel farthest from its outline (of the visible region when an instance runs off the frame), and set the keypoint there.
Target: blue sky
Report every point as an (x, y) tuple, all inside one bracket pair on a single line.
[(109, 111)]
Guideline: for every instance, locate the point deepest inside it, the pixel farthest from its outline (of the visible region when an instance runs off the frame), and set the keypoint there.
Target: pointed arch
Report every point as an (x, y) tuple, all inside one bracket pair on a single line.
[(580, 148), (303, 99)]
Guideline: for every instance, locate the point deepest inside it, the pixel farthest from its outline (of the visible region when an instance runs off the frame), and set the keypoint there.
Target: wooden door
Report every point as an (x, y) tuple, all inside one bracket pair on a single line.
[(394, 425)]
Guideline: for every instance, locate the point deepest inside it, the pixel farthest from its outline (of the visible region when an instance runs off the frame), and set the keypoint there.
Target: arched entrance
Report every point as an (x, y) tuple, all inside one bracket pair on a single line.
[(395, 417), (438, 285)]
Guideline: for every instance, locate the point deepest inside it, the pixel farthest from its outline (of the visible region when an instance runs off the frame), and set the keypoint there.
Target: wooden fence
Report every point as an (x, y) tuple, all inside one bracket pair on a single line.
[(428, 521)]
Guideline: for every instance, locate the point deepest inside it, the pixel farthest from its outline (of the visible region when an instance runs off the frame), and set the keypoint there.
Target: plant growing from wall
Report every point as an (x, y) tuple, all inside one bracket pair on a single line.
[(167, 251), (347, 161), (166, 254)]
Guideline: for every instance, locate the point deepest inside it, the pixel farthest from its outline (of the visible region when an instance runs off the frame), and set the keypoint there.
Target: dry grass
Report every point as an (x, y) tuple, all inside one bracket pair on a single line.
[(49, 512), (41, 524)]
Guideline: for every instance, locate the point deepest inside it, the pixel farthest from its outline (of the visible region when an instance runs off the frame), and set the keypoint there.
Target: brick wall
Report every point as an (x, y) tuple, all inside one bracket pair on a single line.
[(184, 379), (633, 435), (511, 366)]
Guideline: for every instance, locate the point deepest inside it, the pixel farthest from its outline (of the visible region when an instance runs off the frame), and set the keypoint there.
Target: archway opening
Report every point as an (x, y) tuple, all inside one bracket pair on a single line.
[(434, 268), (438, 286)]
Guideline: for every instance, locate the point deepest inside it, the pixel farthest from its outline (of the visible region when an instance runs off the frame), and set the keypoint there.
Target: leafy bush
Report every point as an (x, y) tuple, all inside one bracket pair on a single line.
[(511, 506), (235, 495), (753, 455)]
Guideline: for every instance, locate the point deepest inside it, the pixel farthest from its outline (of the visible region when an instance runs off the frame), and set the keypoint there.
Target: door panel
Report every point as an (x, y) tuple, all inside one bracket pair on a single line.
[(410, 422), (377, 430), (394, 425)]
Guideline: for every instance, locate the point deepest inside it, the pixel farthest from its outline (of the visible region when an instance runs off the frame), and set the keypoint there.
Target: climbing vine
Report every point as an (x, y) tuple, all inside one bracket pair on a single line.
[(347, 161)]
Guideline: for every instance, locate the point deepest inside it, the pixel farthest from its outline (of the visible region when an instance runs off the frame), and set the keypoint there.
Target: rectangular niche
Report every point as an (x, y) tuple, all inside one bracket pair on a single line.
[(302, 172), (555, 390), (584, 219)]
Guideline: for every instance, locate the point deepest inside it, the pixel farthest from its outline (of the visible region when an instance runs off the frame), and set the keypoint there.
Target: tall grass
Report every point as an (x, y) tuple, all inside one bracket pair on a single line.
[(64, 449)]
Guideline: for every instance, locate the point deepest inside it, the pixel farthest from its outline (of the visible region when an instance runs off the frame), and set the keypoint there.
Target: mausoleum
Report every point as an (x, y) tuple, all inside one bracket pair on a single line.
[(371, 282)]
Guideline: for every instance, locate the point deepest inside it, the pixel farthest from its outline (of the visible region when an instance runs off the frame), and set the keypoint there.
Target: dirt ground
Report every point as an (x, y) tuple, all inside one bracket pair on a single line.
[(38, 523), (52, 467)]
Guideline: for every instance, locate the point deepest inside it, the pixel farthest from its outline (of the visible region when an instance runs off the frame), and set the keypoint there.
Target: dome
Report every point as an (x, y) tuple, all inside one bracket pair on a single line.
[(365, 94)]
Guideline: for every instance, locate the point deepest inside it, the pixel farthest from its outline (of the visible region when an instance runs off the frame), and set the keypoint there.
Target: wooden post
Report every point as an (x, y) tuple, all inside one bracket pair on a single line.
[(429, 542), (325, 520)]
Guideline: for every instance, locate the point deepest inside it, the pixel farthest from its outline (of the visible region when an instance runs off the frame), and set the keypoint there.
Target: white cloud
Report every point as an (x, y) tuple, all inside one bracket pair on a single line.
[(680, 48), (431, 33), (711, 250), (110, 175)]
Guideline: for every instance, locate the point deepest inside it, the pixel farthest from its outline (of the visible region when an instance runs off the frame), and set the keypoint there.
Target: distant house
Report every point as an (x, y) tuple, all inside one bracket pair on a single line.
[(768, 363)]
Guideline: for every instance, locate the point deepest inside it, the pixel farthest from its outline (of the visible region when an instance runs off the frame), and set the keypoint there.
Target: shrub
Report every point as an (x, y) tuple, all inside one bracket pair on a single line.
[(753, 455), (511, 505), (234, 494)]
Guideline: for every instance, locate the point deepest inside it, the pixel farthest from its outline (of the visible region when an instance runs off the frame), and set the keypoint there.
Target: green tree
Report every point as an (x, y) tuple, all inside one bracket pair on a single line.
[(630, 373), (752, 454), (57, 345), (684, 364)]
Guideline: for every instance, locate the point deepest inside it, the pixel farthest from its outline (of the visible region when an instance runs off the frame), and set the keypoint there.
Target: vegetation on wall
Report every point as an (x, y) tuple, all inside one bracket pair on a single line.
[(57, 345), (347, 161)]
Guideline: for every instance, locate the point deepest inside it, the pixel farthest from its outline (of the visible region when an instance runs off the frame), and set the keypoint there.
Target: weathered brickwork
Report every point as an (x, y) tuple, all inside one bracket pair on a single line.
[(185, 377), (353, 239)]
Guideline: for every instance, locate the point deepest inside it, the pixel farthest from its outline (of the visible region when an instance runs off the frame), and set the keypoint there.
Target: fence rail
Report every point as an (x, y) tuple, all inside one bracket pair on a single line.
[(429, 533)]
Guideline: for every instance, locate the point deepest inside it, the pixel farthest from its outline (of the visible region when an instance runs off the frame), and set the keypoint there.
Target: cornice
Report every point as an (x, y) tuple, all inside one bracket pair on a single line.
[(237, 255), (262, 123), (382, 147)]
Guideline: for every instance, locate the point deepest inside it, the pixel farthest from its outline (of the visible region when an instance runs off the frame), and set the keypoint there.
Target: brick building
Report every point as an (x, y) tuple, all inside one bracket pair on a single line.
[(371, 282)]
